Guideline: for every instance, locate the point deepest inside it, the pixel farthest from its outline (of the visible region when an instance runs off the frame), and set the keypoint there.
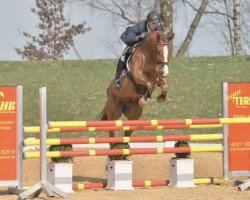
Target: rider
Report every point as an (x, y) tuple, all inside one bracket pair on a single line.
[(133, 35)]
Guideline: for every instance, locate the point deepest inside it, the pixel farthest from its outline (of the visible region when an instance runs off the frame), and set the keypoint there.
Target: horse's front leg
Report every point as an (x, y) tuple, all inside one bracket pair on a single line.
[(141, 78), (162, 83), (144, 99)]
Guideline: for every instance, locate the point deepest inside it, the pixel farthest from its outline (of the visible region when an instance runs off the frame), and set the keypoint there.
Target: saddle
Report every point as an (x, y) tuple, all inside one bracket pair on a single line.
[(126, 55)]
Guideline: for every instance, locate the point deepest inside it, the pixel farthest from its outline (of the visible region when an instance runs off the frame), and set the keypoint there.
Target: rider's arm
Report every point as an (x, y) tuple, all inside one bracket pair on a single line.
[(130, 36)]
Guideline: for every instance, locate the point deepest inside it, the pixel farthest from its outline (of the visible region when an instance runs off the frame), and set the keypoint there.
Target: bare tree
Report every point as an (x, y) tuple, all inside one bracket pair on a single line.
[(221, 22), (133, 11), (167, 15), (228, 14), (56, 35), (237, 29), (184, 46), (245, 23), (124, 12), (228, 24), (167, 19)]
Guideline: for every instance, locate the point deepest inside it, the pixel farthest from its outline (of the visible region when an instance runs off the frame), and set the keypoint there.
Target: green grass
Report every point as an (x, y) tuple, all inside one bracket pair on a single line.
[(77, 90)]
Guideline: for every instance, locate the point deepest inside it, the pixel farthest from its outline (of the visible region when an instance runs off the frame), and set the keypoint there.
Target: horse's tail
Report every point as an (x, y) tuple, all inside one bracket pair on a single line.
[(103, 116)]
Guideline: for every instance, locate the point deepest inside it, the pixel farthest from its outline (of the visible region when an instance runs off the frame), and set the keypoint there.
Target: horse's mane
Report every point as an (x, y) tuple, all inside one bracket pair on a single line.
[(151, 35), (151, 39), (156, 37)]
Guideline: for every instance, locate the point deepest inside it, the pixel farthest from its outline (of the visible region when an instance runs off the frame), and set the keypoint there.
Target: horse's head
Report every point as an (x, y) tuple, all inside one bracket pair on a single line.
[(161, 50)]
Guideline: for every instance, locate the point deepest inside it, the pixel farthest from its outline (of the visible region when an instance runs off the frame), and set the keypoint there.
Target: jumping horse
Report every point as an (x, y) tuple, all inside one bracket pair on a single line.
[(148, 68)]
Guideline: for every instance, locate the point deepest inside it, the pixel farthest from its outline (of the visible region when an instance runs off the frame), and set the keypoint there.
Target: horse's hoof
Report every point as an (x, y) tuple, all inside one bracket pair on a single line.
[(142, 102), (161, 99)]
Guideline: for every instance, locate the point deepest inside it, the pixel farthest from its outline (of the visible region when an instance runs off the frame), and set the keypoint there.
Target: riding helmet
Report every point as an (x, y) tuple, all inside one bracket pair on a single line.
[(153, 16)]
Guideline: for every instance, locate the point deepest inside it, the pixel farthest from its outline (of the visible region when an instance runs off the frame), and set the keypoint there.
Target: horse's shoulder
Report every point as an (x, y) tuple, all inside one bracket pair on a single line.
[(136, 59)]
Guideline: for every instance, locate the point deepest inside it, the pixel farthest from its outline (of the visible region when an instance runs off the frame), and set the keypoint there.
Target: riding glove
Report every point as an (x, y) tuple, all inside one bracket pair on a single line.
[(142, 36)]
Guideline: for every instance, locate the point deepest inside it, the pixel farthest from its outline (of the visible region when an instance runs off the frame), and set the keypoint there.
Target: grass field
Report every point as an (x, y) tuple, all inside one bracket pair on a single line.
[(77, 89)]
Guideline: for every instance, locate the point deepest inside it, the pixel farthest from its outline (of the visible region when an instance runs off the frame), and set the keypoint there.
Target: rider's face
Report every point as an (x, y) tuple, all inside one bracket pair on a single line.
[(152, 25)]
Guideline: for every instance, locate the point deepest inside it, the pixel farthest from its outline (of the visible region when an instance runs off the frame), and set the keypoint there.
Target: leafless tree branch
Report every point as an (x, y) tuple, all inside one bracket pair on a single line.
[(214, 11), (100, 5)]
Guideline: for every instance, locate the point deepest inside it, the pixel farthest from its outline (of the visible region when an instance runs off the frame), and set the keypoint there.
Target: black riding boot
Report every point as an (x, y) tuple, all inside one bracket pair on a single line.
[(119, 68), (122, 65)]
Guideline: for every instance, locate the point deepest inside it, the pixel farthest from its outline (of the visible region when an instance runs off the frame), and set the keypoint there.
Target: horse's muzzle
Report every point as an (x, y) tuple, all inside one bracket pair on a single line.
[(164, 71)]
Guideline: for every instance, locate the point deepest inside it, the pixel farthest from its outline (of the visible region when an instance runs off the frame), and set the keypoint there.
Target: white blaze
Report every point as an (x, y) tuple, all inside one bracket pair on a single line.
[(165, 57)]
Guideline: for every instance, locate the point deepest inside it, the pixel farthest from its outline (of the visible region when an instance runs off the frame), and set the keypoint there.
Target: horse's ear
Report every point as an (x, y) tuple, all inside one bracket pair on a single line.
[(170, 36)]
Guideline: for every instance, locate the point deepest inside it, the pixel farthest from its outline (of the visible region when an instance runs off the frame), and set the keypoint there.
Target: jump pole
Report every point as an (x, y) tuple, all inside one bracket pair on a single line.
[(153, 122), (64, 141), (134, 151), (36, 129), (149, 183)]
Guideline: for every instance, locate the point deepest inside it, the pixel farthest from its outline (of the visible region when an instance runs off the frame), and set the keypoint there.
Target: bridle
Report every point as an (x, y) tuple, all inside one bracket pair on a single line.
[(157, 62)]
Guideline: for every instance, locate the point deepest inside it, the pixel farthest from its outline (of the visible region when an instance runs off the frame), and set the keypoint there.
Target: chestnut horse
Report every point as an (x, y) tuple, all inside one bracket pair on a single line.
[(148, 67)]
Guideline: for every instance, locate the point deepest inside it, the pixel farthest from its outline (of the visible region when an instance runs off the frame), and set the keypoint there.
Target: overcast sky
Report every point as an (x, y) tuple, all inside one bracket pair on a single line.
[(15, 16)]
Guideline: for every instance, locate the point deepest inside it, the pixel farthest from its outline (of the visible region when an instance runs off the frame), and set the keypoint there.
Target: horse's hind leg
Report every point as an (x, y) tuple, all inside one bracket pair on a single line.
[(132, 111), (162, 83)]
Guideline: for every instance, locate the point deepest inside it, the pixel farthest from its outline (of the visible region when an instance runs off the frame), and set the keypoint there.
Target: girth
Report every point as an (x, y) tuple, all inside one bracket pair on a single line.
[(140, 89)]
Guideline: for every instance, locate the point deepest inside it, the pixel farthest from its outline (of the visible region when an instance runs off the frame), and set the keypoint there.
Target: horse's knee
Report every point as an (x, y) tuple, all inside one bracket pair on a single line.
[(150, 87), (164, 87)]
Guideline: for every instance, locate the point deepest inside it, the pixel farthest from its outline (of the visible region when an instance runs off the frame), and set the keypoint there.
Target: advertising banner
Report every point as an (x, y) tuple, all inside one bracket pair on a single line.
[(9, 136), (238, 135)]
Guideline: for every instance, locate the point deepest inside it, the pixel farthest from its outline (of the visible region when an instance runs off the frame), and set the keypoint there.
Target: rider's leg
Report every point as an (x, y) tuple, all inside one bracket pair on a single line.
[(128, 53), (119, 68), (122, 65)]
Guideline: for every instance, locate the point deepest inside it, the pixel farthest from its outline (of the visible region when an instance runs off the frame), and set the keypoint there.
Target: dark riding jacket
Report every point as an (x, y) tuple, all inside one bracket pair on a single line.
[(131, 35)]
